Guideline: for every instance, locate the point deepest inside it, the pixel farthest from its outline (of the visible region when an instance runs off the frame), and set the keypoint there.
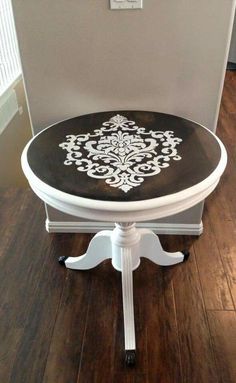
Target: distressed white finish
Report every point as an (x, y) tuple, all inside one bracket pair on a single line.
[(121, 152)]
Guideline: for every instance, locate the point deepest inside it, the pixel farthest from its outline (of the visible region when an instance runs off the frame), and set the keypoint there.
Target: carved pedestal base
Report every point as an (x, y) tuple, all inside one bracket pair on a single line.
[(125, 245)]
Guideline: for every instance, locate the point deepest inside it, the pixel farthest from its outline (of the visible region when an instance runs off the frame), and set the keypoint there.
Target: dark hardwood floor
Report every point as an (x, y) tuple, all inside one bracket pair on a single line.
[(64, 326)]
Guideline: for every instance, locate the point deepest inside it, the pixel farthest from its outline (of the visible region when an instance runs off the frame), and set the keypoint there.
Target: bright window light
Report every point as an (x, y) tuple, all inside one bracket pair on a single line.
[(10, 67)]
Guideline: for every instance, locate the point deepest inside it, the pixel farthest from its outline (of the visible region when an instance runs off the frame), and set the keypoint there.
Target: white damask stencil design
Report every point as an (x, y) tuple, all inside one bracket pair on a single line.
[(121, 153)]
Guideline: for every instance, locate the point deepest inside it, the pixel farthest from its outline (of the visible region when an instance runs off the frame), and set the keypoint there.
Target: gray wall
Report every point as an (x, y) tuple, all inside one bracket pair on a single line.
[(80, 57)]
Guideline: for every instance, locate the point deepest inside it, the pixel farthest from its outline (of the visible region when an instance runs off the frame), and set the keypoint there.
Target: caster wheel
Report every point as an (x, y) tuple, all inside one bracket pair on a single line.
[(62, 260), (186, 254), (130, 358)]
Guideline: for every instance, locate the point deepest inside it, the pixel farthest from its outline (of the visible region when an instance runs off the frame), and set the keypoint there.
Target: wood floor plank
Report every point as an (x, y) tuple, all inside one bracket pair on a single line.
[(40, 283), (223, 332), (130, 378), (12, 203), (212, 274), (229, 95), (66, 343), (226, 132), (225, 235), (38, 329), (99, 349), (198, 363), (8, 348), (16, 270), (157, 313)]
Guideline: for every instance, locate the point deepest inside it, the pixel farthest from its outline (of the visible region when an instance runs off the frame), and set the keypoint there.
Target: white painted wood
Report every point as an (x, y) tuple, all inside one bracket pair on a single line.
[(8, 108), (150, 248), (99, 249), (125, 245), (104, 214), (94, 227), (111, 244), (125, 236), (127, 295), (126, 4)]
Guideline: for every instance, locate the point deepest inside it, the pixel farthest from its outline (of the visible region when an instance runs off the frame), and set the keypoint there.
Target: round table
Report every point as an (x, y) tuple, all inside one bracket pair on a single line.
[(124, 167)]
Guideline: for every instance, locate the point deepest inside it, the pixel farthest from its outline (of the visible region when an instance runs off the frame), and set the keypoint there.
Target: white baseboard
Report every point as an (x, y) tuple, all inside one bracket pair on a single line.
[(94, 227)]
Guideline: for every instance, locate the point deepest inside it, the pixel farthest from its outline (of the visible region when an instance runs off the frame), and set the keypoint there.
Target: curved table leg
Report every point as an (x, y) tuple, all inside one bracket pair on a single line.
[(150, 247), (99, 249)]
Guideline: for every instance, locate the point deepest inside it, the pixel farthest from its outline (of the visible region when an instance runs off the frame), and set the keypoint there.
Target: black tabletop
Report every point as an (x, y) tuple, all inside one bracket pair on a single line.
[(123, 155)]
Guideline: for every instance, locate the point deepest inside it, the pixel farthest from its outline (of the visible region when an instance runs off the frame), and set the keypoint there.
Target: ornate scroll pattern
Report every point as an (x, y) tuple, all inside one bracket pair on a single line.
[(121, 153)]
